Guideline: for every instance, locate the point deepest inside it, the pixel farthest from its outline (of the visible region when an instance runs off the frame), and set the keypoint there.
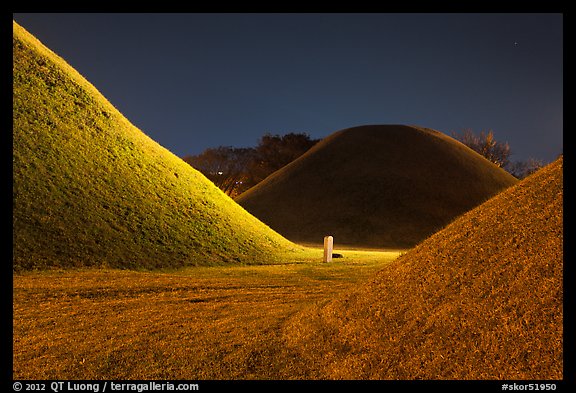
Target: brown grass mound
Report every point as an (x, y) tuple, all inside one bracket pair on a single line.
[(387, 186), (481, 299)]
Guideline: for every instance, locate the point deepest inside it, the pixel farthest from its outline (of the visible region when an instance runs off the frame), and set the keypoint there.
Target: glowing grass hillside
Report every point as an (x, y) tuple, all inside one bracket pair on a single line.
[(90, 189), (385, 186), (481, 299)]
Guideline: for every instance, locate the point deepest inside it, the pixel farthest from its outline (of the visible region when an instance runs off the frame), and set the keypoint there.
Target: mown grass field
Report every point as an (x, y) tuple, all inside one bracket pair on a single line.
[(129, 264), (194, 323)]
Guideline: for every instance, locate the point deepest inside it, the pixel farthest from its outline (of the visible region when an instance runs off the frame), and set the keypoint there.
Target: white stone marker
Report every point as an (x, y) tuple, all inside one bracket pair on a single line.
[(328, 246)]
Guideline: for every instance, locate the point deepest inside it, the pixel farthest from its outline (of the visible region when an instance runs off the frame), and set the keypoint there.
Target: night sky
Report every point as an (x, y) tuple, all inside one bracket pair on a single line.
[(193, 81)]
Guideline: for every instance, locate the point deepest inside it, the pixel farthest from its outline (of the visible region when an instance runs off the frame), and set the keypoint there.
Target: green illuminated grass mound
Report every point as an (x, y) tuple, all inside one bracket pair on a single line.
[(481, 299), (90, 189), (387, 186)]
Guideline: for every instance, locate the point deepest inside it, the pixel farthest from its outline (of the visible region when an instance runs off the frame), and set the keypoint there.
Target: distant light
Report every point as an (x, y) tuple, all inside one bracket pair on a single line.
[(220, 172)]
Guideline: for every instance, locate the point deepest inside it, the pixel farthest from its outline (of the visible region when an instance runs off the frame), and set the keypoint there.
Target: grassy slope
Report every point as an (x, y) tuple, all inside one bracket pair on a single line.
[(481, 299), (90, 189), (375, 186)]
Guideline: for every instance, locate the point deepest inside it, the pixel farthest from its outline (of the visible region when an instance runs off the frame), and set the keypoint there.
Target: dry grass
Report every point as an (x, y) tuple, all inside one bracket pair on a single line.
[(199, 323), (482, 299)]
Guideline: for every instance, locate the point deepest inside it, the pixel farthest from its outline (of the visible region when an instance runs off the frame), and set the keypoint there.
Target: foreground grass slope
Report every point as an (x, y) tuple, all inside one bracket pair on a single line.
[(481, 299), (90, 189), (383, 186)]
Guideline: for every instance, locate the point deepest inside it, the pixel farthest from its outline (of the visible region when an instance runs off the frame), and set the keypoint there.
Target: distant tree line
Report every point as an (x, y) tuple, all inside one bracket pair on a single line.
[(497, 152), (235, 170)]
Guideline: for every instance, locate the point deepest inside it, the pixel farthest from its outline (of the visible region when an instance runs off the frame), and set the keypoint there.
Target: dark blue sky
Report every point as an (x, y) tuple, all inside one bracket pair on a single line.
[(193, 81)]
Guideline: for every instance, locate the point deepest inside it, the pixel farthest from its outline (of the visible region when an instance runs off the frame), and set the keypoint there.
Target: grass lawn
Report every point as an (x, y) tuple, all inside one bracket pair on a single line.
[(194, 323)]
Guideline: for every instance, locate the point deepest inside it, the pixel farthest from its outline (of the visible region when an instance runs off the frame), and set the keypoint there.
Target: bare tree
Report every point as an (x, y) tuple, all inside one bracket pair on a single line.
[(486, 145), (275, 151), (522, 169), (498, 153), (227, 167), (234, 170)]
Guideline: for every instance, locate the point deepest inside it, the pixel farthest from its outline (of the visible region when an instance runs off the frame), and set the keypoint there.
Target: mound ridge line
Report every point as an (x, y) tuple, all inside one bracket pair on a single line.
[(91, 190), (376, 186), (481, 299)]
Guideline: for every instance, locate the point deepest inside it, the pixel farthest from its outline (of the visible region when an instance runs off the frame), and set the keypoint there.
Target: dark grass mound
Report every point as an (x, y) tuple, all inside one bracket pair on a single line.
[(90, 189), (385, 186), (481, 299)]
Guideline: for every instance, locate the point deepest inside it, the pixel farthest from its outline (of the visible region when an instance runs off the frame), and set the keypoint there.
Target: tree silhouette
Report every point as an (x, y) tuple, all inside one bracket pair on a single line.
[(522, 169), (274, 152), (486, 145), (226, 166), (498, 152), (235, 170)]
